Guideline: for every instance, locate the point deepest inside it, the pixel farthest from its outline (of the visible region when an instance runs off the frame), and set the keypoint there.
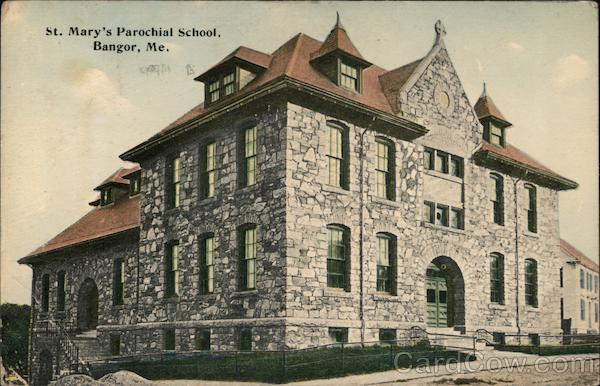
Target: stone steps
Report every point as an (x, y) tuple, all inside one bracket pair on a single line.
[(451, 338)]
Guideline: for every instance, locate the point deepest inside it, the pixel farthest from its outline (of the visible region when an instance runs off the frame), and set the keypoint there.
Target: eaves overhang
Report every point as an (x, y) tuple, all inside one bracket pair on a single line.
[(519, 169), (42, 256), (410, 129)]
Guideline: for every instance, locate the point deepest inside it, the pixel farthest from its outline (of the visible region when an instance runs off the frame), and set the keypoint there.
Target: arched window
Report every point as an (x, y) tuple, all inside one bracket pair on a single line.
[(497, 192), (531, 208), (61, 286), (207, 264), (497, 278), (337, 153), (386, 263), (338, 257), (531, 284), (45, 292), (385, 169)]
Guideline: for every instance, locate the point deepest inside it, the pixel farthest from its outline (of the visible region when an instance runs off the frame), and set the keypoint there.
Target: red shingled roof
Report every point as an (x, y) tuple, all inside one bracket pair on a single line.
[(579, 256), (516, 155), (486, 108), (338, 39), (242, 53), (292, 59), (99, 222), (117, 177)]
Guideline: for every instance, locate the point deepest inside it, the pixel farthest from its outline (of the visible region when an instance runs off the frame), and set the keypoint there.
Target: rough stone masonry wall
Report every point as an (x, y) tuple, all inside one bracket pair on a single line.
[(262, 204), (459, 133), (95, 262), (312, 205)]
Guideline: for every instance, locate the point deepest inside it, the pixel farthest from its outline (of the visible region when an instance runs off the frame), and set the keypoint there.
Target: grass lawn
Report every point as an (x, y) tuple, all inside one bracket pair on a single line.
[(299, 364)]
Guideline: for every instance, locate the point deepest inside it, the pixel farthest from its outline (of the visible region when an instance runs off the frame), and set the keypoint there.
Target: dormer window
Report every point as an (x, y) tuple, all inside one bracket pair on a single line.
[(213, 91), (228, 84), (135, 184), (349, 76), (222, 87), (106, 196), (496, 135)]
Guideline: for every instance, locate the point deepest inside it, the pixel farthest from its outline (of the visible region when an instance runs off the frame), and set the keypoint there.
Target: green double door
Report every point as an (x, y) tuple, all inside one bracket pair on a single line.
[(437, 298)]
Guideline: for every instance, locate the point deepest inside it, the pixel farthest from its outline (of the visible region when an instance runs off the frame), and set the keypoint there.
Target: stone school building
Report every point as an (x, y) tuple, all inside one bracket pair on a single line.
[(312, 197)]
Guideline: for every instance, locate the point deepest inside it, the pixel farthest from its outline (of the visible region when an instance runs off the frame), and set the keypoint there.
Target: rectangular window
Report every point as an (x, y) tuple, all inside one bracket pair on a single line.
[(441, 162), (135, 184), (596, 283), (428, 212), (582, 309), (385, 263), (531, 283), (387, 335), (337, 157), (428, 159), (209, 166), (596, 312), (456, 218), (534, 339), (169, 339), (496, 278), (173, 185), (336, 258), (385, 170), (172, 269), (560, 272), (118, 281), (441, 215), (106, 196), (228, 84), (338, 335), (203, 339), (581, 279), (213, 91), (246, 339), (207, 265), (249, 162), (115, 344), (531, 209), (248, 258), (497, 199), (45, 293), (348, 76), (456, 166), (499, 337), (562, 308), (496, 137), (61, 286)]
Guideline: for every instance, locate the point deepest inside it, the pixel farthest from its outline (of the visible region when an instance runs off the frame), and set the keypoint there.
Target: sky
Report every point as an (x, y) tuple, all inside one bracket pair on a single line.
[(68, 111)]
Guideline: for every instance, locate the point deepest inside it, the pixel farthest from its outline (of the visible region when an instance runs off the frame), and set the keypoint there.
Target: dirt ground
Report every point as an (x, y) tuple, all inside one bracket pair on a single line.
[(588, 374)]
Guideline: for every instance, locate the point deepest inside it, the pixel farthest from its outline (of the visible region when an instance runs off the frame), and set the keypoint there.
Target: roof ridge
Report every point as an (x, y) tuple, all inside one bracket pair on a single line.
[(292, 60)]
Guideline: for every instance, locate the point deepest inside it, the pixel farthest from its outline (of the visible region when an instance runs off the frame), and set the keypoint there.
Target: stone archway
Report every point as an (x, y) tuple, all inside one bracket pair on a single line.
[(45, 371), (445, 293), (87, 306)]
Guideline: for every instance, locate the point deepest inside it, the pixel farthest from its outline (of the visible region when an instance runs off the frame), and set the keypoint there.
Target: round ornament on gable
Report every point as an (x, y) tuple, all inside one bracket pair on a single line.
[(444, 99)]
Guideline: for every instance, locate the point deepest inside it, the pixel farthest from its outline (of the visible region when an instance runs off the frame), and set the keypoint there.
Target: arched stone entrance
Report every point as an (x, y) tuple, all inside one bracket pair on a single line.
[(87, 306), (45, 368), (445, 293)]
